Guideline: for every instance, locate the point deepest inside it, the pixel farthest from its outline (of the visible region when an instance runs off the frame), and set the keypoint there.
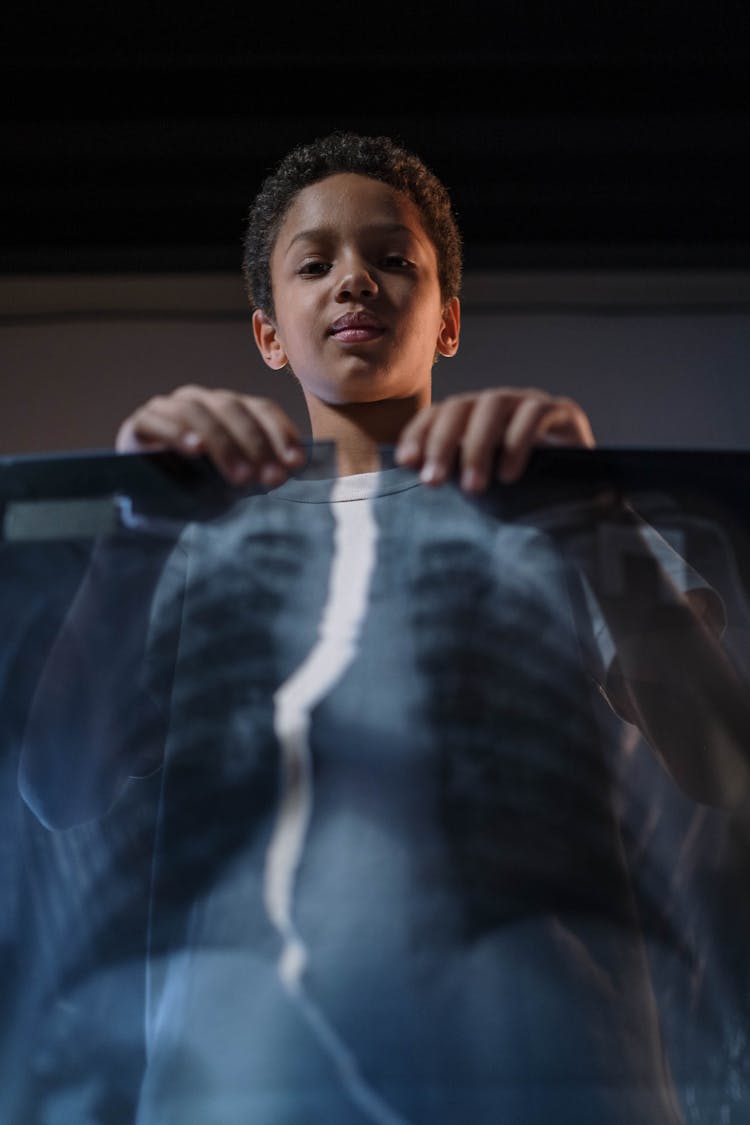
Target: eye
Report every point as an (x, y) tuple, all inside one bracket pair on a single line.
[(396, 261), (314, 268)]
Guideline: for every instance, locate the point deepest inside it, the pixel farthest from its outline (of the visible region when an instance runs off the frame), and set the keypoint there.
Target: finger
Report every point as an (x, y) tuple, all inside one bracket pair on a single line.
[(154, 425), (126, 439), (411, 443), (266, 441), (535, 417), (523, 431), (443, 438), (281, 433), (210, 422), (245, 436), (209, 428), (485, 434), (571, 425)]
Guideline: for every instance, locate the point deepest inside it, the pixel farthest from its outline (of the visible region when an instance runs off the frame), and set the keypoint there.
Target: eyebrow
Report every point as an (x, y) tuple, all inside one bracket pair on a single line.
[(325, 232)]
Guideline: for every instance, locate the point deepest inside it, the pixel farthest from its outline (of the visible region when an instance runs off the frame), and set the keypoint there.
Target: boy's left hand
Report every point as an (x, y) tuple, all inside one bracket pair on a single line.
[(474, 428)]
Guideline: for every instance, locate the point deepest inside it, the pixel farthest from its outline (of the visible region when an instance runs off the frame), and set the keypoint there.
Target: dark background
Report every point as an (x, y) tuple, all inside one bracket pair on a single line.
[(577, 135)]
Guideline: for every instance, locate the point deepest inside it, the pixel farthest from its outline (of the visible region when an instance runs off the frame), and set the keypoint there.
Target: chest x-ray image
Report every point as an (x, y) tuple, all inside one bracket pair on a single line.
[(355, 801)]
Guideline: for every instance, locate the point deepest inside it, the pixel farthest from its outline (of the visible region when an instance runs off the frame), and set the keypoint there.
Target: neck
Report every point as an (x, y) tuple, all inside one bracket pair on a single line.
[(359, 428)]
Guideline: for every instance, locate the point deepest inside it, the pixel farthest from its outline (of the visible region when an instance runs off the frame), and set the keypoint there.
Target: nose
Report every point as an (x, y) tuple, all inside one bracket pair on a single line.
[(357, 281)]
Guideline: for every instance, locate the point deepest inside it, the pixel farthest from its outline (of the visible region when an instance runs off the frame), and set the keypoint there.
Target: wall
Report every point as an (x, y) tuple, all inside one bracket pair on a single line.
[(657, 359)]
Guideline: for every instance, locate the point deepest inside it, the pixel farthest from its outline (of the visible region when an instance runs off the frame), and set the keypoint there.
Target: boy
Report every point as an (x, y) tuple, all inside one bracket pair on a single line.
[(389, 885), (356, 228)]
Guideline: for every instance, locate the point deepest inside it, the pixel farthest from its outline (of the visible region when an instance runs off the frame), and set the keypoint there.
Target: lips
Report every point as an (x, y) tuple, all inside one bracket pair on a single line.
[(355, 327)]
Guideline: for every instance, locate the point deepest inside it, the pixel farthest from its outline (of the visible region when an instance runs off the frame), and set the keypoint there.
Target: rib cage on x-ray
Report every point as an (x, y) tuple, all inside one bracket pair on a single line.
[(388, 854)]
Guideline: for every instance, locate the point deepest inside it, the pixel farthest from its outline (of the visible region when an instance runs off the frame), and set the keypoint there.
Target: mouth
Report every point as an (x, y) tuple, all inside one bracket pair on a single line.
[(356, 328)]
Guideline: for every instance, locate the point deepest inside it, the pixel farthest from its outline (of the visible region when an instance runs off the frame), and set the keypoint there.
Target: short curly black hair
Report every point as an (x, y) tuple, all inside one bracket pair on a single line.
[(380, 158)]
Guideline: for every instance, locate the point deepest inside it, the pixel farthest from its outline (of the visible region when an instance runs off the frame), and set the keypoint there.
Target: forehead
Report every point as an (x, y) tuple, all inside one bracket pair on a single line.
[(347, 201)]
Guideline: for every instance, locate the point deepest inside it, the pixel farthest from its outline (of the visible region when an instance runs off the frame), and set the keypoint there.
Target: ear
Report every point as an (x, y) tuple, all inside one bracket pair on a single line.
[(268, 341), (450, 328)]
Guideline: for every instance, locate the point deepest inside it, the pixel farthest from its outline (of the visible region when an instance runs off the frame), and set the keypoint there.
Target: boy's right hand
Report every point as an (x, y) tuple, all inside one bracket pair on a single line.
[(247, 438)]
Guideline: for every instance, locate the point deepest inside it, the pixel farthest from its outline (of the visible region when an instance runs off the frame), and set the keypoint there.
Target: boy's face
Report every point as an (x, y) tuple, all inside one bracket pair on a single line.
[(359, 314)]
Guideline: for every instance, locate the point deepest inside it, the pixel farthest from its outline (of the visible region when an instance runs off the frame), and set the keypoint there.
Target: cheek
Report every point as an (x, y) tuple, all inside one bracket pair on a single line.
[(294, 327), (427, 327), (423, 316)]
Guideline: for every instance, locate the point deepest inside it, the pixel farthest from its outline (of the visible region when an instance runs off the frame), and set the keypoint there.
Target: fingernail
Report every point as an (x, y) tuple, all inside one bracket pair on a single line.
[(293, 455), (241, 472), (472, 480), (191, 440), (407, 452), (271, 474), (432, 473)]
